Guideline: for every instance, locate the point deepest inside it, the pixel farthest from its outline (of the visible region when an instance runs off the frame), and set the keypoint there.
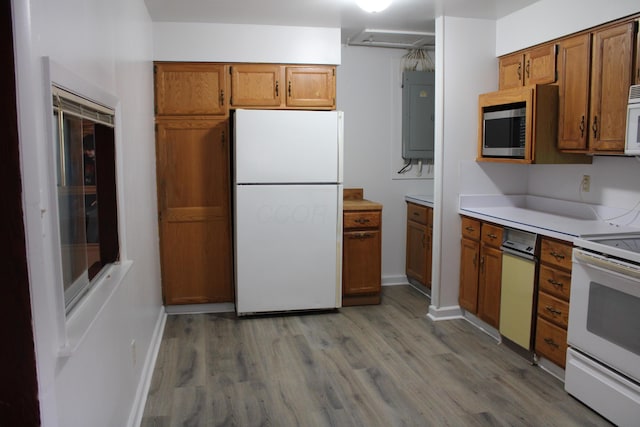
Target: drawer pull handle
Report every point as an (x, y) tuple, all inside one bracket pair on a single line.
[(556, 255), (555, 283), (470, 229), (551, 342), (492, 236), (416, 214), (362, 220), (553, 311), (361, 236)]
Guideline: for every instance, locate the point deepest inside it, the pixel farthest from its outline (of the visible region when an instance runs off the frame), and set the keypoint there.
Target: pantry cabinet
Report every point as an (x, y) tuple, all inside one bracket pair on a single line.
[(283, 86), (361, 250), (595, 71), (419, 244), (533, 66), (194, 214), (554, 289), (481, 269)]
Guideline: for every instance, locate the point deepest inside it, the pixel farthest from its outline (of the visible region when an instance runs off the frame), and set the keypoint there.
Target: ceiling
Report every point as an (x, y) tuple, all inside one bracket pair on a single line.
[(402, 15)]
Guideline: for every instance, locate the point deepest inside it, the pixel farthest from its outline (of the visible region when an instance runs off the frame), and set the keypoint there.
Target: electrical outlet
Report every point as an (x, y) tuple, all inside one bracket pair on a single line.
[(586, 183), (134, 355)]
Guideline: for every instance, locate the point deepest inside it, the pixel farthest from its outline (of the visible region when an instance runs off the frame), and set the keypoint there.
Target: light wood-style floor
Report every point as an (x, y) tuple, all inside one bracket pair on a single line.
[(385, 365)]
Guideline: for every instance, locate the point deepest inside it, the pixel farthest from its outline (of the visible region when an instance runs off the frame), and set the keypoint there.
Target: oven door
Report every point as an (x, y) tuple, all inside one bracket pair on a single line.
[(604, 316)]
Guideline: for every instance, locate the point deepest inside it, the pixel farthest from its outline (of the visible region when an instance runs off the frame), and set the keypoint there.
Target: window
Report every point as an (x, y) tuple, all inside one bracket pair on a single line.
[(86, 191)]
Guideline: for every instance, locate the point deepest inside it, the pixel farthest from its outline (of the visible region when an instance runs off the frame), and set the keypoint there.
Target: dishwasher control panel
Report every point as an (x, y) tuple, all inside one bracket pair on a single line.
[(520, 241)]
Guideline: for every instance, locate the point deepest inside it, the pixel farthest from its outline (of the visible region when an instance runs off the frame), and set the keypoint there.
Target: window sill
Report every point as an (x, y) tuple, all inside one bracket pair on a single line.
[(82, 317)]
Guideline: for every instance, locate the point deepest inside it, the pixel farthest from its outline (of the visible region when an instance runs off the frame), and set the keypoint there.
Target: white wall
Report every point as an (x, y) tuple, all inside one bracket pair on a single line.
[(107, 46), (175, 41), (465, 67), (369, 92), (546, 20)]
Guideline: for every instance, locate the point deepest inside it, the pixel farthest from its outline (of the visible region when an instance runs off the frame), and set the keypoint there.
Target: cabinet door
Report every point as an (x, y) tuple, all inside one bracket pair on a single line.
[(189, 89), (362, 263), (469, 264), (417, 244), (256, 85), (194, 211), (637, 64), (312, 87), (490, 282), (510, 71), (574, 58), (540, 65), (610, 80)]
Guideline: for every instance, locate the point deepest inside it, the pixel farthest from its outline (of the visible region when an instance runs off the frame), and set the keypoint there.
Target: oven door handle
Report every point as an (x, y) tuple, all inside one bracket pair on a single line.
[(607, 265)]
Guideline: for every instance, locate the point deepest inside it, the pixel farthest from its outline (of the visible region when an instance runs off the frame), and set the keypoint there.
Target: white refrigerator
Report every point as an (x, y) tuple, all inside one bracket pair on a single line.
[(287, 210)]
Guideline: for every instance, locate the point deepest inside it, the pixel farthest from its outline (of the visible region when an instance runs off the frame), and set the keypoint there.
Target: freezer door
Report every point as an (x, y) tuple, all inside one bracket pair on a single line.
[(278, 146), (288, 242)]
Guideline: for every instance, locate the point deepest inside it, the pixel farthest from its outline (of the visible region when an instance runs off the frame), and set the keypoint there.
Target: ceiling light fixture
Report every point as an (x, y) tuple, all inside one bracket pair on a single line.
[(373, 6)]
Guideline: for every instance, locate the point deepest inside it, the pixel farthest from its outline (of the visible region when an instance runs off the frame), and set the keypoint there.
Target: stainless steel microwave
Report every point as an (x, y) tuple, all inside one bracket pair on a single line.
[(504, 131)]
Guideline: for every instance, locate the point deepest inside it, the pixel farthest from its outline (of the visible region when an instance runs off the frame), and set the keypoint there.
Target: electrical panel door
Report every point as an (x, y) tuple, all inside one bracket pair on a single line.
[(418, 104)]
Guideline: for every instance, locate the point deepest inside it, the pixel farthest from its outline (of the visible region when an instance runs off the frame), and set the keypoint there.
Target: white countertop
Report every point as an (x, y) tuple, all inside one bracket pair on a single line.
[(420, 199), (549, 217)]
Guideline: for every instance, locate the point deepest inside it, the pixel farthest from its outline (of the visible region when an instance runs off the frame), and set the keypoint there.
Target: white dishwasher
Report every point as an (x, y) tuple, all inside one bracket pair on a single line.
[(517, 295)]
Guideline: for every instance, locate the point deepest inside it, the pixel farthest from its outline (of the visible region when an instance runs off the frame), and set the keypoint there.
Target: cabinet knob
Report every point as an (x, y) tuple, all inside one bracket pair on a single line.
[(362, 220)]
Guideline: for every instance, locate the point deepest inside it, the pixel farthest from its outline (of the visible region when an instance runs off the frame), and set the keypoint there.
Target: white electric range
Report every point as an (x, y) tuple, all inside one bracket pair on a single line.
[(603, 359)]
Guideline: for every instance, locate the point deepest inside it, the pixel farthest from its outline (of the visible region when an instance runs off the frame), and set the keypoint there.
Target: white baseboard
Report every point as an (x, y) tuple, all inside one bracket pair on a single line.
[(444, 313), (395, 280), (137, 410)]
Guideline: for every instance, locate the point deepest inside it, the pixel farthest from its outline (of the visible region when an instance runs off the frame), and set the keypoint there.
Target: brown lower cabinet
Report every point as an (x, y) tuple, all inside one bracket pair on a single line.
[(481, 269), (554, 289), (361, 252)]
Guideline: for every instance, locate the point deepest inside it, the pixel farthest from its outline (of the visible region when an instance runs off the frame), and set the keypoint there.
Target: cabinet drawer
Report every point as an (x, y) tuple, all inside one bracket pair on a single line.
[(555, 282), (419, 214), (551, 342), (492, 235), (553, 309), (362, 219), (556, 253), (470, 228)]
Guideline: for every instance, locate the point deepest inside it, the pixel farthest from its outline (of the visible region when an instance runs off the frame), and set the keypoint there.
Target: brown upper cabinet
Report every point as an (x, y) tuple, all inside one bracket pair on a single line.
[(533, 66), (283, 86), (595, 71), (190, 89), (311, 87), (256, 85)]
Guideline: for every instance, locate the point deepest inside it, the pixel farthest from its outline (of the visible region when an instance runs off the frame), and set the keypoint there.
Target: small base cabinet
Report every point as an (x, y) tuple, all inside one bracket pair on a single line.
[(554, 288), (361, 251), (481, 270), (419, 244)]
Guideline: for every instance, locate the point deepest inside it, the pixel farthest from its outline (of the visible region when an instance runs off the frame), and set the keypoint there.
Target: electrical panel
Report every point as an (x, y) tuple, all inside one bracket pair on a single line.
[(418, 105)]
